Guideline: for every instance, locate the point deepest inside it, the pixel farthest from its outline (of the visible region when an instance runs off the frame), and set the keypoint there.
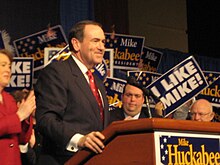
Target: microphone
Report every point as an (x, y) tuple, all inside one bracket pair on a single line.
[(148, 92), (148, 106)]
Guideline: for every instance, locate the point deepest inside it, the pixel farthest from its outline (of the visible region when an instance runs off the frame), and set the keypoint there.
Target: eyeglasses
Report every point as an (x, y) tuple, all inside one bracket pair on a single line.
[(137, 96), (200, 114)]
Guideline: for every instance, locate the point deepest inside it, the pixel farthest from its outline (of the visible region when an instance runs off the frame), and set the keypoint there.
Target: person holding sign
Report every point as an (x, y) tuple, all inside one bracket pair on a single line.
[(133, 98), (202, 110), (182, 113), (72, 107), (15, 124)]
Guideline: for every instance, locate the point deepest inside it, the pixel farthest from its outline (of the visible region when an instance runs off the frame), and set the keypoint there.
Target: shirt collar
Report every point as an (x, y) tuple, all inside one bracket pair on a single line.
[(134, 117), (81, 66)]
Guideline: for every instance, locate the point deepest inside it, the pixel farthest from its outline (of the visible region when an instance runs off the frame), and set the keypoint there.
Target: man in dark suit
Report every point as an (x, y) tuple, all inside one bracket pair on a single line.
[(68, 115), (133, 98)]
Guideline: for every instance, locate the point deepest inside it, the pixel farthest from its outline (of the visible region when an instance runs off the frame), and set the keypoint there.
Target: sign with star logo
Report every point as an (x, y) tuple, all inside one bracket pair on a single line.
[(212, 92), (114, 89), (186, 148), (127, 50), (33, 45), (150, 59), (179, 85), (144, 77)]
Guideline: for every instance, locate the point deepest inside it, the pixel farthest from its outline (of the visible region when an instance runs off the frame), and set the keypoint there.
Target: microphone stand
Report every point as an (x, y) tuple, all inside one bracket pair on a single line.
[(148, 107)]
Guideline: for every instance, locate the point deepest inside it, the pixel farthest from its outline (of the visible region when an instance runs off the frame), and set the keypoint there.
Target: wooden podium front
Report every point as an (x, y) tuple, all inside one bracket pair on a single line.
[(133, 141)]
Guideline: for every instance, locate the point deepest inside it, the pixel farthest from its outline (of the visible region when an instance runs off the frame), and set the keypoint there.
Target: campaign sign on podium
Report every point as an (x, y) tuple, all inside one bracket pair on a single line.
[(181, 148)]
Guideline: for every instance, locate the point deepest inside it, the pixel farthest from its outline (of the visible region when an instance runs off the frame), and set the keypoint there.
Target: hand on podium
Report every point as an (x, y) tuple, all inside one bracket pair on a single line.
[(93, 141)]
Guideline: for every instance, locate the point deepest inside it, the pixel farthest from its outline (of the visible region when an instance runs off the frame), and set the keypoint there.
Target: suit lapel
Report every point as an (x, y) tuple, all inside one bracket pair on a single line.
[(121, 115), (102, 90), (82, 83), (143, 114)]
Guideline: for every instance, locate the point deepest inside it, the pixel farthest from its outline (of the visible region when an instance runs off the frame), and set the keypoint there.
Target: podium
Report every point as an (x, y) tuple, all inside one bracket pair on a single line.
[(142, 141)]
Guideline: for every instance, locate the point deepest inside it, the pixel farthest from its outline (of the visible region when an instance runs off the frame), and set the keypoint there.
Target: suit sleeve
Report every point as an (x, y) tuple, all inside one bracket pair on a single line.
[(51, 100)]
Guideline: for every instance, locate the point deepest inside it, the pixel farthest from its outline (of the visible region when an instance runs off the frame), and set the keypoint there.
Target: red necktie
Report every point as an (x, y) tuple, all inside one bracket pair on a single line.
[(95, 92)]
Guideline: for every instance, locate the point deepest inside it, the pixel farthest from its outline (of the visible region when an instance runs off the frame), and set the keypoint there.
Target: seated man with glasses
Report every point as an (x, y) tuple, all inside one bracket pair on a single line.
[(202, 110), (133, 99)]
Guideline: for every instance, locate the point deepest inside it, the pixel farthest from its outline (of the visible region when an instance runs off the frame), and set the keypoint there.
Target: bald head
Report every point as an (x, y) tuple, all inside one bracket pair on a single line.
[(201, 110)]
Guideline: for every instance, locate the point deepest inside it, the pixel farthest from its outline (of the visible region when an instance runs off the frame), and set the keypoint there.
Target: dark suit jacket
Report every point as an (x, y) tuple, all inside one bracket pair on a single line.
[(32, 155), (66, 106), (118, 114)]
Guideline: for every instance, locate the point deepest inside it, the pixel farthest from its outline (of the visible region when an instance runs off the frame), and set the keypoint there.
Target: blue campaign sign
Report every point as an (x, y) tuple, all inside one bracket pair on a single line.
[(22, 74), (52, 54), (101, 70), (127, 49), (150, 59), (114, 88), (108, 57), (211, 93), (33, 45), (182, 148), (106, 67), (144, 77), (179, 85)]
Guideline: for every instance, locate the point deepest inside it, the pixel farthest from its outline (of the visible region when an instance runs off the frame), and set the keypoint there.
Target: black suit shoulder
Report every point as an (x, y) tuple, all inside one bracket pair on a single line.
[(117, 114), (61, 66)]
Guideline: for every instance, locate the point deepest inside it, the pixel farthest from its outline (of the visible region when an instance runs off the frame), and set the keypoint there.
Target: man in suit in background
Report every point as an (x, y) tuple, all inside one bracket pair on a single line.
[(133, 98), (68, 115)]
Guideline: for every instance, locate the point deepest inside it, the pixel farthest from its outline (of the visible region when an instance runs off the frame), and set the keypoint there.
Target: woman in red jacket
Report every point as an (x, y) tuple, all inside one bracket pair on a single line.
[(15, 124)]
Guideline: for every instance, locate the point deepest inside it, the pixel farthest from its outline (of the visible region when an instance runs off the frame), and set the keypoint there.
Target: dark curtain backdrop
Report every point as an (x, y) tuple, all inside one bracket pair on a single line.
[(72, 11), (25, 17), (203, 27), (112, 14), (108, 12)]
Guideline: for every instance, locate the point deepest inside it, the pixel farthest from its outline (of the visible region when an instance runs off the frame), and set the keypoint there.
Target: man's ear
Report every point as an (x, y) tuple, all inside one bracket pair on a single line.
[(212, 115), (76, 44)]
